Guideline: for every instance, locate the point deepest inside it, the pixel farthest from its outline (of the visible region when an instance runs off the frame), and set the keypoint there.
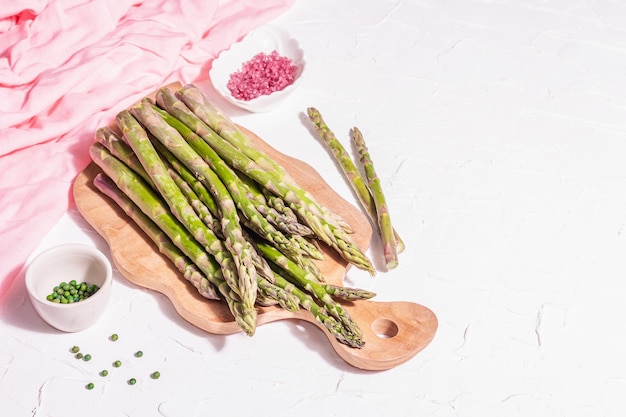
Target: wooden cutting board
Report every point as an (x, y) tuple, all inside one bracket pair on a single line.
[(393, 332)]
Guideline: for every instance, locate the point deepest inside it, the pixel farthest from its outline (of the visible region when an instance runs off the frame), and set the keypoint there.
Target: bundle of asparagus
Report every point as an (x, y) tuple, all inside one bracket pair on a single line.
[(367, 187), (232, 220)]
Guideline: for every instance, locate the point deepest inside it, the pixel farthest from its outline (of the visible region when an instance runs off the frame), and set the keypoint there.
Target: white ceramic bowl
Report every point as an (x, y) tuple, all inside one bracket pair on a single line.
[(264, 39), (64, 263)]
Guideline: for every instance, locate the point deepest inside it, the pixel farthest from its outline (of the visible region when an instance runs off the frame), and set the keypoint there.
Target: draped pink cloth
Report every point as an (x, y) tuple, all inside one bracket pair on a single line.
[(66, 67)]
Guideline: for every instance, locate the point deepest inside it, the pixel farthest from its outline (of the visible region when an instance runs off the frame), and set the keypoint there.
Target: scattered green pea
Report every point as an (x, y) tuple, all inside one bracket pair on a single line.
[(116, 364)]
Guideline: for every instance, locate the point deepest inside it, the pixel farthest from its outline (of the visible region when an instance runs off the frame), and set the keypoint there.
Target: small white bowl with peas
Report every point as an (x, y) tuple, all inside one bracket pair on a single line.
[(69, 285)]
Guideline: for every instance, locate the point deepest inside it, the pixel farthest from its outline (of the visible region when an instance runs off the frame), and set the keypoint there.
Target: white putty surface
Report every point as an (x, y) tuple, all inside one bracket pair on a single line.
[(499, 131)]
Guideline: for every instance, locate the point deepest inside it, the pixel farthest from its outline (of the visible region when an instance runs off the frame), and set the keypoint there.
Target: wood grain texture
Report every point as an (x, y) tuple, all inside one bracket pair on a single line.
[(393, 332)]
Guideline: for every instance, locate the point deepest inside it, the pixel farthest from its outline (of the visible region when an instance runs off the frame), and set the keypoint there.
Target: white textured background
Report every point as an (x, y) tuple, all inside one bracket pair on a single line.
[(498, 130)]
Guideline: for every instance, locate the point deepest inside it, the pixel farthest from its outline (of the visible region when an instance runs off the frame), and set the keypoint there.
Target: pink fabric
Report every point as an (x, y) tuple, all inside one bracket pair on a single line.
[(66, 67)]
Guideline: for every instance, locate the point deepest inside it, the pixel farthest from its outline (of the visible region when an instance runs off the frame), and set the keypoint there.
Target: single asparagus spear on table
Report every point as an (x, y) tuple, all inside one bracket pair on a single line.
[(390, 250)]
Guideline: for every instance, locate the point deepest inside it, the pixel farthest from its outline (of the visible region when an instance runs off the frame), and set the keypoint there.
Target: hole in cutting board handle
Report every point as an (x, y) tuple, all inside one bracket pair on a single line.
[(385, 328)]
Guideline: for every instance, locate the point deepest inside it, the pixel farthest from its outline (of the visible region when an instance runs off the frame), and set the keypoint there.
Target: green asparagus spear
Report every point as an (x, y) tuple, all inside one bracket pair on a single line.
[(348, 294), (384, 219), (114, 142)]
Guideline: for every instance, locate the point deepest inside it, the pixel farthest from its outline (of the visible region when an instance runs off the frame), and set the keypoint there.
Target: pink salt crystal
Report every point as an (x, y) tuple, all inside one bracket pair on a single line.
[(264, 74)]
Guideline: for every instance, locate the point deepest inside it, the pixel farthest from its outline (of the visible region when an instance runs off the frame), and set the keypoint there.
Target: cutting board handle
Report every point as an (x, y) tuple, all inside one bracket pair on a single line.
[(393, 332)]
